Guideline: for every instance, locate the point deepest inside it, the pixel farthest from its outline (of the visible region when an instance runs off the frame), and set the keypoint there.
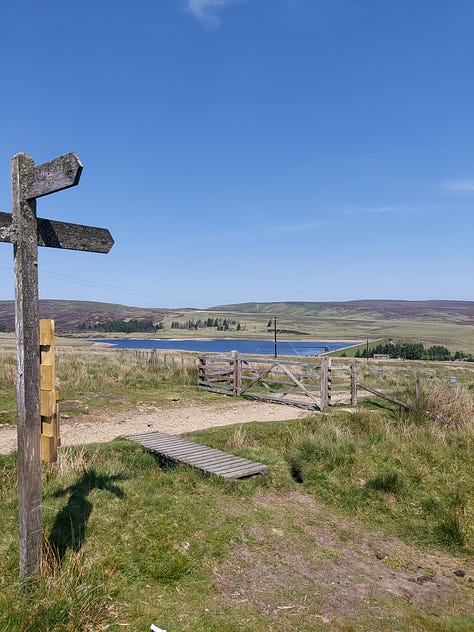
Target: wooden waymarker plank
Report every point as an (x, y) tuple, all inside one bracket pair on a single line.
[(58, 174), (46, 377), (49, 452), (48, 396), (207, 459), (47, 403), (46, 326), (56, 422), (48, 428), (53, 234)]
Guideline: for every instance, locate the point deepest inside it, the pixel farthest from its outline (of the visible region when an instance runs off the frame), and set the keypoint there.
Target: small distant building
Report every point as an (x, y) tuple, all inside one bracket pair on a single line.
[(381, 356)]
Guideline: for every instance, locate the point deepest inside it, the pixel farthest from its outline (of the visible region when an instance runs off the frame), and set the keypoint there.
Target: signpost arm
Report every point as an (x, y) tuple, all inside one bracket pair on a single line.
[(28, 356)]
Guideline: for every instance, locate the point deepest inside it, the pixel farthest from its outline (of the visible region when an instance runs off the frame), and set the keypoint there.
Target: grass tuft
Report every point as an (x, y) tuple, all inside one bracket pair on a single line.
[(328, 450), (451, 519), (388, 481), (69, 596), (446, 407), (238, 439)]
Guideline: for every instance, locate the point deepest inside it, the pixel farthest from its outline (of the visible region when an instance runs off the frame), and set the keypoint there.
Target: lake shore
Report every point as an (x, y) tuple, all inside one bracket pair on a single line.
[(249, 346)]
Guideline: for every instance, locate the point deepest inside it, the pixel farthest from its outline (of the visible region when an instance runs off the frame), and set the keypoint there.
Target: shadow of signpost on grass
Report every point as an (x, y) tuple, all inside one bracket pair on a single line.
[(69, 528)]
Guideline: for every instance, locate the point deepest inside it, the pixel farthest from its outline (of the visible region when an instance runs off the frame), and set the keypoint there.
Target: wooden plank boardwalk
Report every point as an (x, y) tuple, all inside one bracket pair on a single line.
[(222, 464)]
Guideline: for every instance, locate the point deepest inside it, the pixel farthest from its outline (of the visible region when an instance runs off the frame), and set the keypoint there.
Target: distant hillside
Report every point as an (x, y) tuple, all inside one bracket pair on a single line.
[(448, 323), (391, 309), (70, 315)]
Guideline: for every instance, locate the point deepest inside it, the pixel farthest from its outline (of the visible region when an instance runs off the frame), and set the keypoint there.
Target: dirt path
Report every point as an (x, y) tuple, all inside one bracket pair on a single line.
[(103, 427)]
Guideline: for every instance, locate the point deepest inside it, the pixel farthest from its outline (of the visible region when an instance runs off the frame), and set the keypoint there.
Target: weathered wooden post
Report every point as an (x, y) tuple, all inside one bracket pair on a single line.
[(236, 373), (417, 391), (354, 385), (202, 377), (27, 369), (26, 232), (325, 382)]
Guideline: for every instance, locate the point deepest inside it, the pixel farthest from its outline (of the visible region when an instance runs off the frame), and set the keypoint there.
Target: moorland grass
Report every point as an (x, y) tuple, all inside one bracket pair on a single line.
[(128, 542), (412, 479), (98, 379)]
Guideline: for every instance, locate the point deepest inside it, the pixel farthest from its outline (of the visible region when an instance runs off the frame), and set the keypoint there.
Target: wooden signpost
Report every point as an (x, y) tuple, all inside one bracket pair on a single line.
[(26, 232)]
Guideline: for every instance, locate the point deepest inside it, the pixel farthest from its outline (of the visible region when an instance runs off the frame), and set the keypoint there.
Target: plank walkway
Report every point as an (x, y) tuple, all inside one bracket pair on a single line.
[(222, 464)]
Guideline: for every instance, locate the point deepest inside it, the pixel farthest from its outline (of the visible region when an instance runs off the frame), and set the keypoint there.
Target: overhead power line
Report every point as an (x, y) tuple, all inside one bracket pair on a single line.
[(73, 280)]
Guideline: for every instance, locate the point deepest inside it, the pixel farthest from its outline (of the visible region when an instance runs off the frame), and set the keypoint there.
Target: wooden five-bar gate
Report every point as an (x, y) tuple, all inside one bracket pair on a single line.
[(312, 383)]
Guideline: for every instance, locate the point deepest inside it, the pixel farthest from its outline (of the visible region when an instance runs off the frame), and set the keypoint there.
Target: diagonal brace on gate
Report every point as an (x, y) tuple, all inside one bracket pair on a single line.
[(295, 381), (259, 377), (301, 386)]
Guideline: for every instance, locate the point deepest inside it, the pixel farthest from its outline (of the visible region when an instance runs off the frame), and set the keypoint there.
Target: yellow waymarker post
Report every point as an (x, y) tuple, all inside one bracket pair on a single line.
[(49, 406)]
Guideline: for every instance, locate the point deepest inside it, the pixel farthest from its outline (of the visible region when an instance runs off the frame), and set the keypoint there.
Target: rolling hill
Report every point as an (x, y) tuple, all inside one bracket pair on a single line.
[(68, 315), (450, 323), (393, 309)]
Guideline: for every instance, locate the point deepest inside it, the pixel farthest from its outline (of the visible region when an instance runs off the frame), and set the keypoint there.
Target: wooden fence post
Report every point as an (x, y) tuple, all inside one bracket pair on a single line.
[(202, 370), (329, 371), (417, 391), (354, 385), (237, 385), (325, 382)]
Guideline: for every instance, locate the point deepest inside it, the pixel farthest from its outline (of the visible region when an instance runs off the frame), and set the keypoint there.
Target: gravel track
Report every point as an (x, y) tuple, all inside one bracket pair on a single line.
[(103, 427)]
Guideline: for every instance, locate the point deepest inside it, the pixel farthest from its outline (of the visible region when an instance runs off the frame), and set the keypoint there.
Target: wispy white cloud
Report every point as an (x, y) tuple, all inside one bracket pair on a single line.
[(459, 185), (206, 11)]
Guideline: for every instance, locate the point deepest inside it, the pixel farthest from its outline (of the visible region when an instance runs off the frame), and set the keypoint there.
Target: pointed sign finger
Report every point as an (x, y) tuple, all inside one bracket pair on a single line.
[(54, 234), (56, 175)]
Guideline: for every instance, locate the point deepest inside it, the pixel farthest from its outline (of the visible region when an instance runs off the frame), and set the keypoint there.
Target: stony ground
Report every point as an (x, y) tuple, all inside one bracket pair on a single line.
[(103, 427)]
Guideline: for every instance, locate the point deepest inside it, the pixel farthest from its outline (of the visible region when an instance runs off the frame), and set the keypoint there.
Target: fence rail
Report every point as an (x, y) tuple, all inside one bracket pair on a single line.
[(313, 384), (165, 359)]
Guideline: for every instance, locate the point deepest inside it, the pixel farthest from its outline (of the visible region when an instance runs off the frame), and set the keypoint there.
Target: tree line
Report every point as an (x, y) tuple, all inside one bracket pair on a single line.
[(122, 326), (213, 323), (413, 351)]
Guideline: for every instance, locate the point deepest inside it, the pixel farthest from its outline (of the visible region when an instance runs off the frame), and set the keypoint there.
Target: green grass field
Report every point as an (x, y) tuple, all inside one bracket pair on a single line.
[(365, 521), (128, 543)]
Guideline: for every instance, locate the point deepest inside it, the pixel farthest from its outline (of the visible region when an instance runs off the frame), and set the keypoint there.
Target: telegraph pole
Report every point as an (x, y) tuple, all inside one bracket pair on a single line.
[(275, 334)]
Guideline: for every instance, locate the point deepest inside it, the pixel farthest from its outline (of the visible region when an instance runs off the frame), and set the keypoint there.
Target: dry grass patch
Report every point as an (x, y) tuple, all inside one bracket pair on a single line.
[(305, 562), (451, 406)]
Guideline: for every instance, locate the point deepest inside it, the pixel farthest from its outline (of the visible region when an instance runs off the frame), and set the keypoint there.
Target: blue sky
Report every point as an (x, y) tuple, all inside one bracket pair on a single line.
[(244, 150)]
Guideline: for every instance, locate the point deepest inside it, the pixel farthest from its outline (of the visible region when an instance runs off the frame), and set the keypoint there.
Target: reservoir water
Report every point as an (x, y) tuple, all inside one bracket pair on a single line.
[(264, 347)]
